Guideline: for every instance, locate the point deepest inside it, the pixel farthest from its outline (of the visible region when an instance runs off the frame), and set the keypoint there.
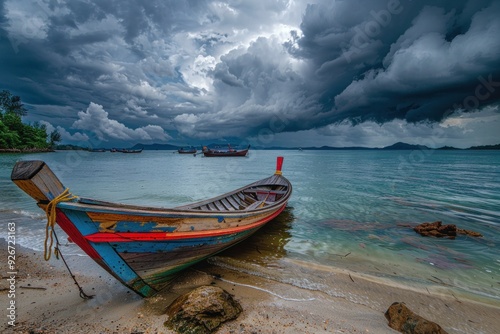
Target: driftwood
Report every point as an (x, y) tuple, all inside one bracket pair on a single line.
[(437, 229)]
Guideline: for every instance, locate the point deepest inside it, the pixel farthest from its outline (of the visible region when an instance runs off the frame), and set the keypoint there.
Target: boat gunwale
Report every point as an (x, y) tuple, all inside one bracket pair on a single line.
[(102, 237), (120, 208)]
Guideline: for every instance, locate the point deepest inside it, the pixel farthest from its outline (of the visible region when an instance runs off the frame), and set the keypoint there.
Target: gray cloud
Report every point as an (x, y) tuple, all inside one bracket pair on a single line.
[(207, 70), (404, 61), (97, 120)]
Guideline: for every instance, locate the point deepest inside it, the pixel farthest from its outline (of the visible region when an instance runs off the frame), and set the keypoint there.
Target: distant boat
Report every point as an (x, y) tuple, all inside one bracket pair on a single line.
[(144, 247), (131, 151), (230, 152), (97, 150), (190, 150)]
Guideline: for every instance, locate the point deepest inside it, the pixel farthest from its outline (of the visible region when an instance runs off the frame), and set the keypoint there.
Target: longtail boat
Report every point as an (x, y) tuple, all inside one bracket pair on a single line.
[(230, 152), (145, 247), (189, 150), (131, 150)]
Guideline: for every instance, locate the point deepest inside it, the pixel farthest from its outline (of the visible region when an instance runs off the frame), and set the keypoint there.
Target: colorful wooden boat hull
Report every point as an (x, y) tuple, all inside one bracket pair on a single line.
[(145, 248)]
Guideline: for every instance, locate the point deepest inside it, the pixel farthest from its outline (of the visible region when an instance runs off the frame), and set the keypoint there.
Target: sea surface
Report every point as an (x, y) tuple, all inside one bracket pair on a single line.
[(350, 210)]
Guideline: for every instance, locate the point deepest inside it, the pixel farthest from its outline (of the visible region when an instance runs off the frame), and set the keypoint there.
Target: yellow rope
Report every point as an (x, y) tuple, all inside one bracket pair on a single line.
[(50, 210)]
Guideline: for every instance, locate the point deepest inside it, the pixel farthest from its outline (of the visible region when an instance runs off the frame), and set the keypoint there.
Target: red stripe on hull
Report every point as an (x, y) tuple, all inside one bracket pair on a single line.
[(165, 236), (76, 236)]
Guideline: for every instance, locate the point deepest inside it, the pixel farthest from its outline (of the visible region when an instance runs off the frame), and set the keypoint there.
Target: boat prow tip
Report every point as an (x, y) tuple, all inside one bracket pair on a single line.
[(36, 179), (25, 170), (279, 165)]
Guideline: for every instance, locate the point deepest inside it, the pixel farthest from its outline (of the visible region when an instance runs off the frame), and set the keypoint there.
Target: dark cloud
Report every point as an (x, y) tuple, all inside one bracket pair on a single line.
[(399, 59), (207, 70), (364, 61)]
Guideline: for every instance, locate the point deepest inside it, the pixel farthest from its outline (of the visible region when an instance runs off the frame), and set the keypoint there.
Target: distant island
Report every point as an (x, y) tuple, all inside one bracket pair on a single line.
[(486, 147), (396, 146)]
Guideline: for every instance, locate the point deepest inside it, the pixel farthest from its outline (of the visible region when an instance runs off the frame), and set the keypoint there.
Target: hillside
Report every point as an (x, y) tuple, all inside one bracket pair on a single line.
[(154, 147)]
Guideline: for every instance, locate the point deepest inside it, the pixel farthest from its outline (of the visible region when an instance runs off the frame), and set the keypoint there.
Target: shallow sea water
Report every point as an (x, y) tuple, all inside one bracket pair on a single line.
[(350, 210)]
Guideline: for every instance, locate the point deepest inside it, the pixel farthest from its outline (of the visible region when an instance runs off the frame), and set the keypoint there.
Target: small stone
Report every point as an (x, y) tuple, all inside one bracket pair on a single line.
[(402, 319)]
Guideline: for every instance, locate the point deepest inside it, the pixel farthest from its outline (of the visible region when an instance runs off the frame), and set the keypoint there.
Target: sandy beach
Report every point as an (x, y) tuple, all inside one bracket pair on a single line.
[(47, 301)]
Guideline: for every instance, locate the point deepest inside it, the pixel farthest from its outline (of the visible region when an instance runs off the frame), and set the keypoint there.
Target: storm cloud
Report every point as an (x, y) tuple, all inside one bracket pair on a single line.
[(162, 71)]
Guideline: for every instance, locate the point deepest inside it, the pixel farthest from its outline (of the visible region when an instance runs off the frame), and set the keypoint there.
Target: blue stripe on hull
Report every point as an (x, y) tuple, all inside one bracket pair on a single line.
[(81, 221), (121, 269), (109, 258), (131, 226)]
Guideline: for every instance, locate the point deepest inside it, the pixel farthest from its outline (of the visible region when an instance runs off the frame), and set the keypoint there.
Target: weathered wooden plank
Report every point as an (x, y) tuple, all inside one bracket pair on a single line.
[(250, 200), (254, 205), (31, 189), (235, 203), (228, 205), (25, 170), (265, 191), (37, 180), (219, 206)]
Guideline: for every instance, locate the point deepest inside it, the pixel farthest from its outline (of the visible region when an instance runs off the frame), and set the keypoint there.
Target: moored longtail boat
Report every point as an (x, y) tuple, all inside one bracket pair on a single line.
[(230, 152), (143, 247), (131, 150), (189, 150)]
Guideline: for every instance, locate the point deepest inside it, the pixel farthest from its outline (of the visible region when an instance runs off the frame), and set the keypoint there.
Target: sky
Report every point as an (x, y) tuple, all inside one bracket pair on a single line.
[(269, 73)]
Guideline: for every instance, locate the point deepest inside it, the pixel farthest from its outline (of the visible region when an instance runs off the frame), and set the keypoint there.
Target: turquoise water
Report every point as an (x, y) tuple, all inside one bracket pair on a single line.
[(350, 210)]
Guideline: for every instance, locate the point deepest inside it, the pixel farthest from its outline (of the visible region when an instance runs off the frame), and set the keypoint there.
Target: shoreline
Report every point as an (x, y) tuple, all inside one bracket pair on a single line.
[(48, 301), (31, 150)]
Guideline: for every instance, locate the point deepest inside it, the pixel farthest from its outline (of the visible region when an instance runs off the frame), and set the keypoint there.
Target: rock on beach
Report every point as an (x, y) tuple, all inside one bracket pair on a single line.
[(202, 310), (404, 320)]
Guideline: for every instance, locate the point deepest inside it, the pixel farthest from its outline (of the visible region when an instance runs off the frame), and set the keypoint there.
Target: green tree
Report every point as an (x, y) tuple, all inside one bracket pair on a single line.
[(14, 133), (55, 137), (11, 104), (8, 139)]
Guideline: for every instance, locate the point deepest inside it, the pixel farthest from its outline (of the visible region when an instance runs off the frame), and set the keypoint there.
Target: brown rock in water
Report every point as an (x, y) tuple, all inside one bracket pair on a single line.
[(469, 233), (202, 310), (438, 230), (402, 319)]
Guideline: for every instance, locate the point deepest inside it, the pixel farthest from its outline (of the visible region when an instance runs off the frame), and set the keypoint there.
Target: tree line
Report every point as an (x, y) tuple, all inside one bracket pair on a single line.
[(14, 134)]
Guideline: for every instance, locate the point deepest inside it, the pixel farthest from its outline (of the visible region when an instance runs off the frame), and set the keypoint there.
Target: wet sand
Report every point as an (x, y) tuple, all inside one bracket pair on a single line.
[(47, 301)]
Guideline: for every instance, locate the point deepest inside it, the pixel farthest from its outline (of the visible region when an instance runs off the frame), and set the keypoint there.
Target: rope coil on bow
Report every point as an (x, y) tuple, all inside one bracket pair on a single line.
[(50, 211), (50, 233)]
